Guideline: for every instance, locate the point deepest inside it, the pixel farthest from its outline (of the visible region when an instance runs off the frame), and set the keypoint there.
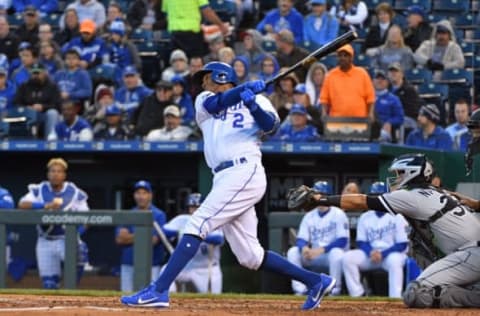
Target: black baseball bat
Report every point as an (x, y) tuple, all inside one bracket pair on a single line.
[(321, 52)]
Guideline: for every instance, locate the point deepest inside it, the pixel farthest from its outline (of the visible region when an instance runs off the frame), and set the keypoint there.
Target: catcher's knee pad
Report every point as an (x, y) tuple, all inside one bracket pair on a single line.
[(421, 296)]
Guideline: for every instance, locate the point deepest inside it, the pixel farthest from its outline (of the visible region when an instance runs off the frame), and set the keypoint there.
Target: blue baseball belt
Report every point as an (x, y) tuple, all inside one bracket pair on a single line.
[(229, 163)]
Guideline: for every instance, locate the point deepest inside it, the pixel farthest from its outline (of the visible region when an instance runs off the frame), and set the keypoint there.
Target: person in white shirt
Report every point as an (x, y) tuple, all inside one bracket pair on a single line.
[(172, 130)]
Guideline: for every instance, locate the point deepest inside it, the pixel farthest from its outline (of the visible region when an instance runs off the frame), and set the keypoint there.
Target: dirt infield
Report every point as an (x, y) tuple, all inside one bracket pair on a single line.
[(14, 305)]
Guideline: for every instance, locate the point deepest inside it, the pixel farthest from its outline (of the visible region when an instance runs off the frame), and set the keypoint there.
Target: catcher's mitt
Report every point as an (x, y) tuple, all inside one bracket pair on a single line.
[(301, 198)]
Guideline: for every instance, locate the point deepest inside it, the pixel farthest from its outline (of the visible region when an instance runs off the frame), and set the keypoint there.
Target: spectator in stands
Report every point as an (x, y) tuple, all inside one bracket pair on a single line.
[(285, 17), (183, 100), (95, 113), (394, 50), (40, 94), (92, 48), (149, 115), (114, 128), (121, 51), (252, 43), (74, 82), (9, 41), (114, 13), (73, 127), (458, 131), (132, 93), (7, 91), (297, 129), (147, 14), (242, 69), (288, 53), (351, 188), (214, 46), (350, 13), (300, 96), (45, 33), (28, 56), (28, 30), (5, 6), (226, 55), (43, 6), (179, 65), (184, 24), (282, 98), (70, 29), (50, 57), (92, 10), (388, 108), (314, 81), (359, 101), (269, 68), (172, 129), (418, 29), (193, 89), (319, 27), (441, 51), (429, 134), (377, 34)]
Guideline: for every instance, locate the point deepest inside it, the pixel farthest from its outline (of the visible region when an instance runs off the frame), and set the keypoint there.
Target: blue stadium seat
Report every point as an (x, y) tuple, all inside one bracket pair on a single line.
[(148, 48), (105, 73), (473, 62), (434, 18), (465, 21), (18, 122), (450, 76), (52, 19), (362, 60), (141, 35), (431, 90), (15, 19), (418, 75), (400, 20), (450, 6), (330, 61), (309, 46), (401, 5), (468, 49), (371, 4), (225, 9), (269, 45)]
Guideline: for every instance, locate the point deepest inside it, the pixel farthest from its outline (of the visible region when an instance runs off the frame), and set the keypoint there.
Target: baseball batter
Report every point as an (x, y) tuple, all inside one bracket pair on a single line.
[(322, 239), (232, 119), (55, 195), (382, 241), (204, 269), (450, 280)]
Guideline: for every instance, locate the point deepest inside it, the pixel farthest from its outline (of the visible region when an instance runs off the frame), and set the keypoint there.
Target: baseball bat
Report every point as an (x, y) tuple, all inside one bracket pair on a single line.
[(321, 52), (163, 238)]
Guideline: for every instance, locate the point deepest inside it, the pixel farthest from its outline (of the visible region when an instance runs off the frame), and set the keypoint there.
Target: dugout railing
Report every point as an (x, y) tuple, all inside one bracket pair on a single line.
[(142, 249)]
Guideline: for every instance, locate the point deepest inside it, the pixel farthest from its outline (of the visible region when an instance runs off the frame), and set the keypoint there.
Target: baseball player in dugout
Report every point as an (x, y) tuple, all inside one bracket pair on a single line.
[(232, 119), (443, 228), (125, 235), (322, 239), (203, 271), (55, 195)]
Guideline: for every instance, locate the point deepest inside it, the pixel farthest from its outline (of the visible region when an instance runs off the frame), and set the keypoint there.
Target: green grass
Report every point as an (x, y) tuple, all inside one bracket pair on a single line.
[(189, 295)]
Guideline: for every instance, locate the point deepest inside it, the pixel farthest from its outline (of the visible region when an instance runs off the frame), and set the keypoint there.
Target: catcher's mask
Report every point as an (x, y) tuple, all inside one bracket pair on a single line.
[(410, 170)]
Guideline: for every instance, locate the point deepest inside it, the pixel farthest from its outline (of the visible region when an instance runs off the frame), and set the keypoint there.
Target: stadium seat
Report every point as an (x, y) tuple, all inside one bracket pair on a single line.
[(434, 18), (141, 35), (456, 76), (466, 21), (107, 73), (371, 4), (148, 48), (400, 20), (437, 94), (330, 61), (269, 45), (450, 6), (52, 19), (402, 5), (468, 49), (418, 75), (309, 46), (225, 9), (15, 19), (362, 60), (18, 122)]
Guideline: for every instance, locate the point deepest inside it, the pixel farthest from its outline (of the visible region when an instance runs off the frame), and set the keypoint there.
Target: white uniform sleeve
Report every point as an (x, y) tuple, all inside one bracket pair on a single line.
[(201, 114), (400, 201), (343, 227), (177, 223), (303, 231), (32, 195), (360, 16), (85, 135), (265, 104), (401, 226), (80, 204), (361, 231)]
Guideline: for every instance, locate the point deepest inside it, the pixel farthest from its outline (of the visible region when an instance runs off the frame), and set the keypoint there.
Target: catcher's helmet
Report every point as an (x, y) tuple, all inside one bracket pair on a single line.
[(474, 121), (194, 199), (222, 73), (410, 169), (323, 187), (378, 187)]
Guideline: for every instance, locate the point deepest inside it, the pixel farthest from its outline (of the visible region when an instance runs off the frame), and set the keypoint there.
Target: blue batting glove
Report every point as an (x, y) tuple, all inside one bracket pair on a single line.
[(248, 97), (256, 86)]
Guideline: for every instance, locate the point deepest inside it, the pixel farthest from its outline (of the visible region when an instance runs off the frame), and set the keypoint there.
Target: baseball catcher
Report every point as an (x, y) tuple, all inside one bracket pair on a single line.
[(451, 231)]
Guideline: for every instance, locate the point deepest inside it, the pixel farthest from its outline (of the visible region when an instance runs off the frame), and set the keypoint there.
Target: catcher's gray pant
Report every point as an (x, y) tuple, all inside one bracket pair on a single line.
[(448, 282)]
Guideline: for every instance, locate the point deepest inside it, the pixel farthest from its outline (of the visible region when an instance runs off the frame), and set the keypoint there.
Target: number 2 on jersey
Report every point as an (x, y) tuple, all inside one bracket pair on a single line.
[(238, 120)]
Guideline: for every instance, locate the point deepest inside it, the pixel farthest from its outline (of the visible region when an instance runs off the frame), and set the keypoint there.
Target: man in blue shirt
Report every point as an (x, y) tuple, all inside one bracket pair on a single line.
[(458, 131), (297, 130), (319, 27), (7, 90), (132, 93), (284, 17), (73, 127), (428, 134), (125, 236)]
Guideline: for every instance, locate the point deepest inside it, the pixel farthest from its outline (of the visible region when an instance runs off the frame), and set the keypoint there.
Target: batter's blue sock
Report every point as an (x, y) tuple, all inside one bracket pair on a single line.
[(184, 251), (276, 263)]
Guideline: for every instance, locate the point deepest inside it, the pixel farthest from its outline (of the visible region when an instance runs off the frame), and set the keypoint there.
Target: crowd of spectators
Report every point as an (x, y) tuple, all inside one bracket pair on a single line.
[(51, 69)]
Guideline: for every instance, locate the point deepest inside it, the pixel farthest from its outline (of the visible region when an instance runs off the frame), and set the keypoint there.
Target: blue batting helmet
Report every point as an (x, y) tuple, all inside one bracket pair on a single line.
[(194, 199), (378, 187), (323, 187), (222, 73)]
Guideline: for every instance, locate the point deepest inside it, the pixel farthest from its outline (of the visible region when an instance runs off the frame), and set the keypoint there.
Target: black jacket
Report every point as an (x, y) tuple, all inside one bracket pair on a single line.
[(25, 35), (66, 35), (295, 56), (149, 115), (121, 133), (415, 37), (374, 39), (138, 10), (9, 45), (410, 99), (31, 92)]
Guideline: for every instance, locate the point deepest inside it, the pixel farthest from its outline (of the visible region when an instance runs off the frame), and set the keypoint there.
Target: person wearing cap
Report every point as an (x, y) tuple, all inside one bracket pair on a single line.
[(252, 48), (70, 29), (418, 28), (178, 65), (377, 33), (297, 129), (388, 108), (74, 82), (42, 95), (204, 269), (284, 17), (92, 48), (9, 41), (288, 53), (28, 56), (347, 90), (319, 27), (114, 128), (125, 235), (350, 14), (183, 100), (129, 96), (149, 115), (429, 134), (121, 51), (56, 195), (72, 127), (7, 90), (93, 10), (441, 51), (43, 6), (172, 130), (458, 131), (28, 30)]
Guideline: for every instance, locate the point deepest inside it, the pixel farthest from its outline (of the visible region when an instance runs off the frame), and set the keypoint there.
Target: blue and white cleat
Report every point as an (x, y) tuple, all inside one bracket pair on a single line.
[(318, 291), (148, 297)]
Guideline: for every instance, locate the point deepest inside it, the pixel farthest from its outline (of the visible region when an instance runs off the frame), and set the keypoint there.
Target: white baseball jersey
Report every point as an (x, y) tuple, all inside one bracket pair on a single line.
[(381, 232), (233, 133), (456, 228), (320, 231)]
